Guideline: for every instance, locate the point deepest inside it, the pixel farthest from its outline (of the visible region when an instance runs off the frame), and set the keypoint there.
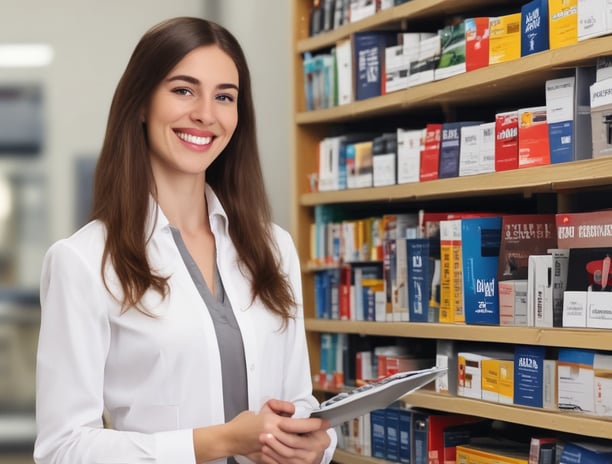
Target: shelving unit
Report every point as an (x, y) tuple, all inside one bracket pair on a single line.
[(571, 185)]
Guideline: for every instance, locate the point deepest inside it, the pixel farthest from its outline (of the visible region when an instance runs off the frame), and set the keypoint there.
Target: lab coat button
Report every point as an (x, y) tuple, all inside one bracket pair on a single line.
[(252, 367)]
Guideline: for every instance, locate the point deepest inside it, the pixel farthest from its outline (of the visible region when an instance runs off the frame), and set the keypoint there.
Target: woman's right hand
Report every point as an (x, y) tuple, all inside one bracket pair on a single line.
[(247, 427)]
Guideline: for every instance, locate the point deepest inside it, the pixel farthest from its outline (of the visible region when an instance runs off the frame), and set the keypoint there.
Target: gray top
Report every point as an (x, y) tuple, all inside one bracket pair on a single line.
[(229, 338)]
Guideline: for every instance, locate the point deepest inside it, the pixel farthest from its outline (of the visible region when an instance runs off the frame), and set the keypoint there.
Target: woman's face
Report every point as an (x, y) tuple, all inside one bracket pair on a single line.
[(193, 113)]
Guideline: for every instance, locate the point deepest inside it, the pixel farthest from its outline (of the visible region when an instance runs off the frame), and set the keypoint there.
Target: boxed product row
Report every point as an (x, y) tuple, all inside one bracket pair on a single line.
[(373, 63), (542, 270)]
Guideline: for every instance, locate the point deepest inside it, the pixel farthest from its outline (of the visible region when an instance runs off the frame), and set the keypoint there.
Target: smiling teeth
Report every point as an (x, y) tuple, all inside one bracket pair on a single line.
[(194, 139)]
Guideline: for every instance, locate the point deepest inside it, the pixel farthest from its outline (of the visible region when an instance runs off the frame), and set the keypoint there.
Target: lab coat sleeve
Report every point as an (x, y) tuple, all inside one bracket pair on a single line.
[(297, 369), (74, 340)]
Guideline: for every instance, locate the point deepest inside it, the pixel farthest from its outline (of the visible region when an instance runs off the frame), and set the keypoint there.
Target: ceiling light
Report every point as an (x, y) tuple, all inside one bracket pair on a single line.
[(25, 55)]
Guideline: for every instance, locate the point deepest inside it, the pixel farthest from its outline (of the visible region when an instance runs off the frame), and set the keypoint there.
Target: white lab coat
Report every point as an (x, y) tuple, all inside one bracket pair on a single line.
[(158, 378)]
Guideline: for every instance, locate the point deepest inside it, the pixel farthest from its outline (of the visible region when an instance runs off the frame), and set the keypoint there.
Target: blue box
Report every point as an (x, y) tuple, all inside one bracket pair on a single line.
[(529, 375)]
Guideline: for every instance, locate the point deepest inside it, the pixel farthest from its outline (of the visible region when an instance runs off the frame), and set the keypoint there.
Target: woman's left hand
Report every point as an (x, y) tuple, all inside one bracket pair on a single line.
[(299, 441)]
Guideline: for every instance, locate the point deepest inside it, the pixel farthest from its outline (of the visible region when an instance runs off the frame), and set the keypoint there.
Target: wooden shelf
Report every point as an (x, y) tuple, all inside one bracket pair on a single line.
[(491, 82), (569, 184), (573, 423), (581, 424), (413, 10), (344, 457), (552, 178), (559, 337)]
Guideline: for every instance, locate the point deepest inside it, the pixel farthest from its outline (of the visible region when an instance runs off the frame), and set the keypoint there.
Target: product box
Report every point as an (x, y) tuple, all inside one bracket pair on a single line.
[(560, 265), (368, 58), (480, 238), (498, 380), (446, 356), (599, 310), (452, 51), (397, 68), (469, 377), (405, 435), (378, 434), (568, 113), (430, 155), (549, 387), (513, 302), (506, 381), (602, 367), (486, 147), (384, 158), (540, 291), (529, 375), (601, 117), (506, 141), (533, 141), (591, 229), (469, 156), (409, 147), (392, 439), (422, 70), (534, 27), (344, 71), (563, 22), (476, 43), (574, 308), (504, 38), (576, 380), (594, 18), (586, 453)]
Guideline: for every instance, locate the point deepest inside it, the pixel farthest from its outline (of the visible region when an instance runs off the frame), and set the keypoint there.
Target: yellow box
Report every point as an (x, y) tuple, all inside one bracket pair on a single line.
[(506, 381), (490, 379), (468, 454), (504, 38), (498, 380), (563, 22)]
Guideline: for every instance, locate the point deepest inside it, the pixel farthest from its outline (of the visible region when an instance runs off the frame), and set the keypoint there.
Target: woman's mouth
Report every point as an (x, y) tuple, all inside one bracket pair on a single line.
[(194, 139)]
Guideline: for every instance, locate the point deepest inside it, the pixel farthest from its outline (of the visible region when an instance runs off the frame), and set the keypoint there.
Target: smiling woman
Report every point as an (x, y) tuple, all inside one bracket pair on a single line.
[(177, 310)]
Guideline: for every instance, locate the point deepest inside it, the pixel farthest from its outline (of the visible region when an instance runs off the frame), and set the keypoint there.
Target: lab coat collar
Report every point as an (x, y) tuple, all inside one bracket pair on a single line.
[(157, 220)]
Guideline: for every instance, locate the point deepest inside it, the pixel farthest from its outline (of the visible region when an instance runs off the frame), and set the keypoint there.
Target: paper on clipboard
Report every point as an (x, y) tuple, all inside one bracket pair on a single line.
[(377, 395)]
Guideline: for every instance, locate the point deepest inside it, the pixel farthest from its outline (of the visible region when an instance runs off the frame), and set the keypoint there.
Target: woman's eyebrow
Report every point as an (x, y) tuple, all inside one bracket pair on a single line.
[(183, 77), (192, 80)]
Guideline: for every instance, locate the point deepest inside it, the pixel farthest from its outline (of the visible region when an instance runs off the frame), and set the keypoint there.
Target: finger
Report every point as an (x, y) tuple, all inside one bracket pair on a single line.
[(283, 408), (302, 426), (276, 449)]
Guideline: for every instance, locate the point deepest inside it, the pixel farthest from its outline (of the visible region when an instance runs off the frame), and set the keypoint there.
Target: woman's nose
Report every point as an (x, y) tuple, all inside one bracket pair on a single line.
[(203, 112)]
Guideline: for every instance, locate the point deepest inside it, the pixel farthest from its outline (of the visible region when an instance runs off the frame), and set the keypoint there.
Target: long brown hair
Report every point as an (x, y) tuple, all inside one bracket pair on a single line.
[(124, 179)]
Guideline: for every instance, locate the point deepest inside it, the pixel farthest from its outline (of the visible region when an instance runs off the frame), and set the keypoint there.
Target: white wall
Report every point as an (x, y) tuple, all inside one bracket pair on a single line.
[(264, 29), (93, 41)]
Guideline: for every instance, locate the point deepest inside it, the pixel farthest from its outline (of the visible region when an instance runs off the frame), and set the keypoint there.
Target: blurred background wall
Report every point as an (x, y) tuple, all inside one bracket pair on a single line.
[(44, 193)]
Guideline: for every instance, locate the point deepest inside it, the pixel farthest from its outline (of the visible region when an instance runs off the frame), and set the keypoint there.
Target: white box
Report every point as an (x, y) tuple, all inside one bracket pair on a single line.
[(397, 68), (539, 291), (409, 145), (486, 147), (599, 310), (594, 18), (576, 380), (549, 384), (344, 71), (469, 381), (513, 302), (469, 160), (574, 308), (602, 366), (601, 117)]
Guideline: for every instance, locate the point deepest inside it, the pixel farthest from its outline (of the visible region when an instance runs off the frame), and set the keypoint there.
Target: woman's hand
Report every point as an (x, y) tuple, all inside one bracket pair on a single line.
[(292, 440), (289, 440), (302, 441)]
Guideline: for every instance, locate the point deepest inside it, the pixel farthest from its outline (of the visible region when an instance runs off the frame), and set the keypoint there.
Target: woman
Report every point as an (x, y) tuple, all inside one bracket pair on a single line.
[(177, 310)]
